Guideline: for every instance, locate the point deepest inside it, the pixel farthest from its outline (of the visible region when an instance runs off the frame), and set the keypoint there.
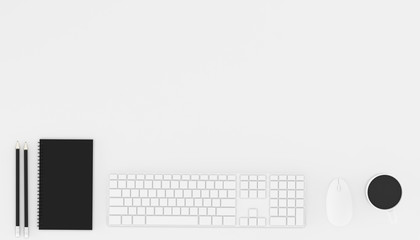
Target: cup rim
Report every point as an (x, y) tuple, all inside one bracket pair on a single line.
[(367, 196)]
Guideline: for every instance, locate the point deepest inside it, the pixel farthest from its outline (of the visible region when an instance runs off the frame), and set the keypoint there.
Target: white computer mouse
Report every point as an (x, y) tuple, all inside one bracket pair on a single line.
[(339, 203)]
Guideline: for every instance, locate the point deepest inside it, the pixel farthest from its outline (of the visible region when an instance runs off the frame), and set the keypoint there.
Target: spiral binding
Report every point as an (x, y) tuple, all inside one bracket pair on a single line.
[(39, 180)]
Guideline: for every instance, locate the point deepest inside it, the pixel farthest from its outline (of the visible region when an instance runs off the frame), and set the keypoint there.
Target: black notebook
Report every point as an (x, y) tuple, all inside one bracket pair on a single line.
[(65, 184)]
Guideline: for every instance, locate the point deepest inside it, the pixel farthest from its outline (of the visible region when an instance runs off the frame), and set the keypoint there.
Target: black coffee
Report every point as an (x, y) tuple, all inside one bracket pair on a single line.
[(384, 192)]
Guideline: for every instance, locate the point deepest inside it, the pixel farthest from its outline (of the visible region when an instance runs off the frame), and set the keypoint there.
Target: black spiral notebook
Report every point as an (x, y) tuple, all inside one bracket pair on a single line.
[(65, 184)]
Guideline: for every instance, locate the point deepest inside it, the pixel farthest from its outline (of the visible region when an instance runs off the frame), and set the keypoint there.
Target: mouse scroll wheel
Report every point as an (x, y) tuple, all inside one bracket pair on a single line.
[(339, 186)]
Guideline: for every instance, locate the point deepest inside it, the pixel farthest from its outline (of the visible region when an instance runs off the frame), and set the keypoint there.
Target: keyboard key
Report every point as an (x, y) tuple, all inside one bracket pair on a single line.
[(282, 185), (291, 185), (122, 184), (128, 202), (228, 203), (152, 193), (261, 222), (226, 211), (274, 185), (211, 211), (176, 211), (205, 220), (202, 211), (282, 178), (157, 184), (299, 194), (244, 194), (299, 202), (183, 184), (291, 194), (291, 212), (148, 184), (113, 184), (217, 221), (282, 194), (291, 178), (282, 203), (132, 210), (150, 211), (216, 202), (205, 193), (113, 176), (141, 211), (252, 222), (210, 185), (166, 184), (139, 184), (143, 193), (135, 193), (118, 210), (300, 185), (174, 184), (253, 194), (274, 212), (204, 177), (229, 221), (229, 185), (172, 220), (116, 202), (192, 184), (126, 193), (290, 221), (278, 221), (139, 220), (201, 184), (114, 220), (299, 217), (282, 212), (115, 193), (185, 211), (126, 220), (167, 211), (231, 194)]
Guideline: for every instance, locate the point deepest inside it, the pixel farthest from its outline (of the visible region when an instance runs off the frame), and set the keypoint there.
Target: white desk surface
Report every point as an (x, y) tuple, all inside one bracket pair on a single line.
[(323, 88)]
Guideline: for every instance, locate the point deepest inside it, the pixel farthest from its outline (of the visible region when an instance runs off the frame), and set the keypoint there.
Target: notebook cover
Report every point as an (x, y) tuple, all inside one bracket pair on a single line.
[(65, 184)]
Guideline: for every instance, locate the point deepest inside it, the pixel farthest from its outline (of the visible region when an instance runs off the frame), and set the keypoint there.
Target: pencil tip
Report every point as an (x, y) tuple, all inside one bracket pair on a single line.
[(17, 145), (25, 147)]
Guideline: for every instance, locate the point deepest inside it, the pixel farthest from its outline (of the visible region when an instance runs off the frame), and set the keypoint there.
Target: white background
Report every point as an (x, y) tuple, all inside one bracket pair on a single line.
[(323, 88)]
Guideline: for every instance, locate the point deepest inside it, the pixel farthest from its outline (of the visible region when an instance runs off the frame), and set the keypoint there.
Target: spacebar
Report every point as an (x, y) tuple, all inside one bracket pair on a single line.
[(171, 220)]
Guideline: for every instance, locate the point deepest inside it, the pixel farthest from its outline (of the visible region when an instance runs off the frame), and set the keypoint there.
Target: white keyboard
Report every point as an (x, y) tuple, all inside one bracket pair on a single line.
[(206, 200)]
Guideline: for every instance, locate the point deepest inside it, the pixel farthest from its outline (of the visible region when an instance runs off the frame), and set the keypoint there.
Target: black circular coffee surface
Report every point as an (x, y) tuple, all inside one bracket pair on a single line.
[(384, 192)]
